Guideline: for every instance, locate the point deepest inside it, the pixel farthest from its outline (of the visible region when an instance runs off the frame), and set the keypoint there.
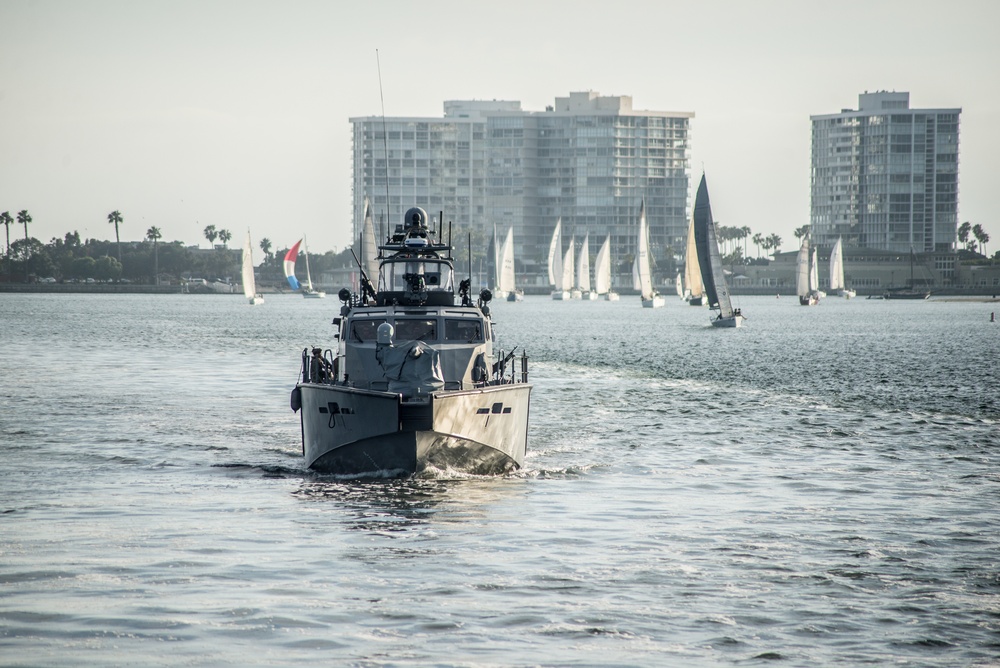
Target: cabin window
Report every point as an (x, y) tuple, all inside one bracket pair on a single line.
[(463, 331), (415, 330), (436, 275), (364, 331)]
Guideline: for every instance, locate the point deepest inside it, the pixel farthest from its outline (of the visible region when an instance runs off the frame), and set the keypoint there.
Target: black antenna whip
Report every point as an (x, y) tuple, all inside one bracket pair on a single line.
[(385, 141)]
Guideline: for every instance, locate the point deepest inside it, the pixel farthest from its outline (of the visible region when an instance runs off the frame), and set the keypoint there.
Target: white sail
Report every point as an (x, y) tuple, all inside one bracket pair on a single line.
[(506, 278), (567, 266), (555, 258), (583, 265), (369, 249), (305, 250), (642, 258), (636, 283), (602, 268), (718, 276), (837, 266), (802, 269), (692, 270), (249, 283), (679, 284), (814, 272)]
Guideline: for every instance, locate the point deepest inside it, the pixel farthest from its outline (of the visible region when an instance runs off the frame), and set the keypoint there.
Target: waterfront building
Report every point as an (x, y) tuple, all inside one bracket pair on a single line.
[(885, 176), (587, 159)]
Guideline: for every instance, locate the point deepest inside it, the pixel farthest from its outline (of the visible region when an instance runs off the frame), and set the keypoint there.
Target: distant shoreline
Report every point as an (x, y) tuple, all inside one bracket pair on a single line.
[(953, 294)]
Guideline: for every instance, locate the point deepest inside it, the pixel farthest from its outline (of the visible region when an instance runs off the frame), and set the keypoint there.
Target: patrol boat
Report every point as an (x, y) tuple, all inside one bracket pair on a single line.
[(415, 381)]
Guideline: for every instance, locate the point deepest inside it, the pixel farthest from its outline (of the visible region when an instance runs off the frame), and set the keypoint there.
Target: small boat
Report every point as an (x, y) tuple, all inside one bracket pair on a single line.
[(249, 282), (290, 257), (650, 297), (909, 292), (583, 271), (602, 272), (414, 381), (710, 262), (805, 279), (695, 293), (557, 272), (837, 271)]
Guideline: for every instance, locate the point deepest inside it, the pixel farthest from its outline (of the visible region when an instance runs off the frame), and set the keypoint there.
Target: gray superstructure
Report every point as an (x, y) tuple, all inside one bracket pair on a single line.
[(415, 381)]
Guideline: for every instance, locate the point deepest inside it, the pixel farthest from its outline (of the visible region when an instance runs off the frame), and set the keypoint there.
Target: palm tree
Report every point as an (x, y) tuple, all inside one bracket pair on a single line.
[(265, 245), (745, 232), (981, 236), (7, 222), (225, 236), (24, 218), (963, 233), (115, 218), (775, 242), (801, 232), (211, 234), (758, 241), (153, 234)]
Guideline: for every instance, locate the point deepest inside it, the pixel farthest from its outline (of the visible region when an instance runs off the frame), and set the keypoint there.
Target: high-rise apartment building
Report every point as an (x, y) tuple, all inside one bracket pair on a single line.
[(886, 176), (589, 160)]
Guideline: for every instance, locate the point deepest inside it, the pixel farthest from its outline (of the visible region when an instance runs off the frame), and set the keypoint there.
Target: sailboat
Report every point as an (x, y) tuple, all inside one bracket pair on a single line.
[(602, 272), (583, 270), (909, 292), (650, 297), (679, 284), (837, 271), (710, 262), (249, 283), (290, 257), (505, 273), (695, 293), (556, 273), (805, 282)]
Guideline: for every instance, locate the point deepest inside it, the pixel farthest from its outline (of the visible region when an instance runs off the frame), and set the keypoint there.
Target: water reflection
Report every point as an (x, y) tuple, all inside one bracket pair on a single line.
[(394, 506)]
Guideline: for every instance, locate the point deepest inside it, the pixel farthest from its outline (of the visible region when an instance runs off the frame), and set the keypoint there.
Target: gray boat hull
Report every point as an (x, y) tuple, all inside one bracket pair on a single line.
[(350, 431)]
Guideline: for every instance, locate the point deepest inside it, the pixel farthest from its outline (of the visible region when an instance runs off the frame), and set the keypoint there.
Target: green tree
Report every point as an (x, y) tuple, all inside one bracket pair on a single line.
[(265, 246), (115, 218), (211, 234), (775, 242), (758, 241), (83, 267), (745, 232), (981, 236), (801, 232), (963, 233), (23, 218), (107, 268), (7, 221), (154, 235), (224, 237)]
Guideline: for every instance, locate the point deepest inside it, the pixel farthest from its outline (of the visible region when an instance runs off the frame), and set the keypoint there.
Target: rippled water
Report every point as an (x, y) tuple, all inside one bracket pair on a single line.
[(818, 488)]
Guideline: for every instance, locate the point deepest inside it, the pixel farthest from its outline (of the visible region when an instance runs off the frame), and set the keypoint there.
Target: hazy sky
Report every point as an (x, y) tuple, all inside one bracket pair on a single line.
[(235, 113)]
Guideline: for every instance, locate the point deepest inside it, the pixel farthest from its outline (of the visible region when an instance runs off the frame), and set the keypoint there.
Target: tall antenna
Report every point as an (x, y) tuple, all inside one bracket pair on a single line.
[(385, 141)]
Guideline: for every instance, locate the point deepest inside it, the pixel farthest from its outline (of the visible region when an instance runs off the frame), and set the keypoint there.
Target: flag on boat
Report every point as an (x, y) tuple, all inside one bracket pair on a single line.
[(290, 257)]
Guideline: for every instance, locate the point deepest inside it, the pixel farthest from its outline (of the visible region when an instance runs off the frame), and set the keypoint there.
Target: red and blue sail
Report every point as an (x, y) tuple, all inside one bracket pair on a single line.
[(290, 257)]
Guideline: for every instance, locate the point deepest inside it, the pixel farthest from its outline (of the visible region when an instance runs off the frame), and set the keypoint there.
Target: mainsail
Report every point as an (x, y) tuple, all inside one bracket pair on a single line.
[(708, 253), (369, 250), (506, 263), (583, 265), (602, 268), (837, 266), (249, 283), (555, 258), (642, 258), (802, 269)]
